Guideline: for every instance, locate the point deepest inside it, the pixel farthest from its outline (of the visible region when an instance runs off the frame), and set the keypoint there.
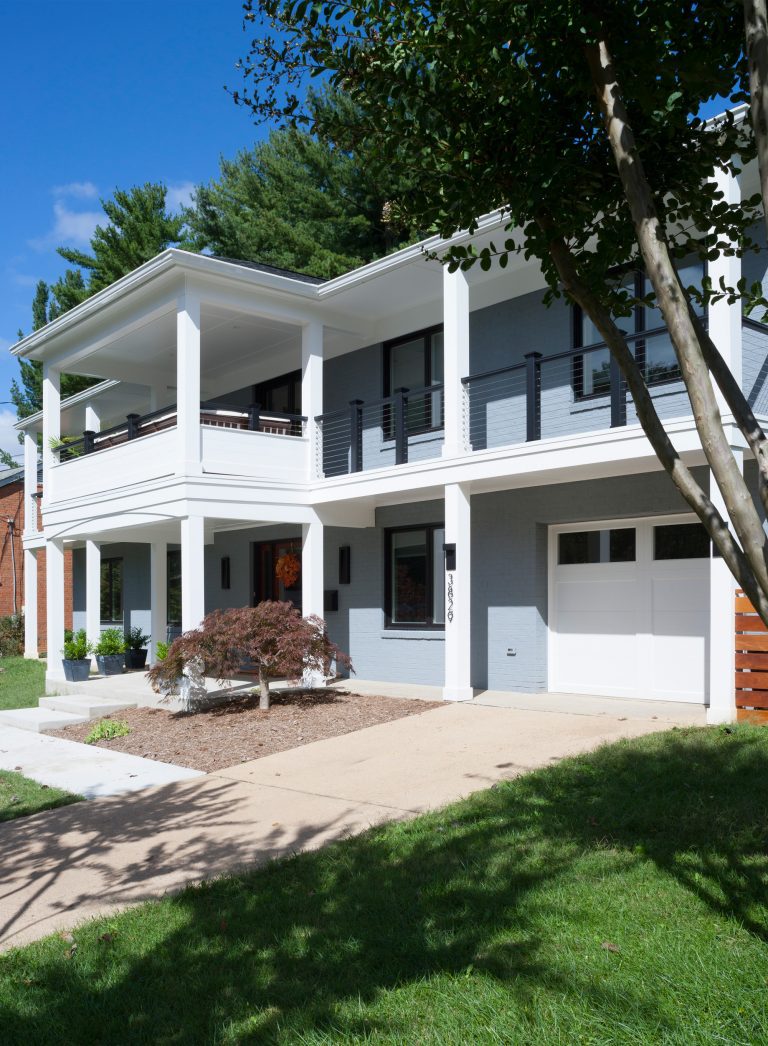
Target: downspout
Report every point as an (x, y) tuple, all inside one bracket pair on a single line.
[(11, 533)]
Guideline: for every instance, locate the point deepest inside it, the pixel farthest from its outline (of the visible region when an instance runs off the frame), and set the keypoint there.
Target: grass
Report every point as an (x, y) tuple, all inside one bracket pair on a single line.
[(616, 898), (22, 682), (20, 796)]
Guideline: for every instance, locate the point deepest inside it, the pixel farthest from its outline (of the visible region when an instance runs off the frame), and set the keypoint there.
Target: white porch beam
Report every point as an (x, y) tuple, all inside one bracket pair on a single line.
[(158, 571), (51, 417), (722, 654), (92, 591), (312, 390), (30, 603), (455, 360), (192, 572), (188, 384), (458, 594), (54, 596), (30, 483)]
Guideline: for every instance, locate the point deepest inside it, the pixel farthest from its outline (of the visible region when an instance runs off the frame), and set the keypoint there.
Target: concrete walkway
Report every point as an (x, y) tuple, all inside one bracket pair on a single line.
[(86, 770), (61, 866)]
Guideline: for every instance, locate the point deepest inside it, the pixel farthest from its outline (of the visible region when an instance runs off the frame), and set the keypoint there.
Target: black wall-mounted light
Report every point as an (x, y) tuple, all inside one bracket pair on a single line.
[(450, 556), (345, 564)]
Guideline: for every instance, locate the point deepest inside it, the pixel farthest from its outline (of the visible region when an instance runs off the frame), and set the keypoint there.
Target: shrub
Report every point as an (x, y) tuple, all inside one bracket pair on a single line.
[(106, 729), (12, 635), (76, 647), (162, 651), (273, 636), (111, 641), (136, 639)]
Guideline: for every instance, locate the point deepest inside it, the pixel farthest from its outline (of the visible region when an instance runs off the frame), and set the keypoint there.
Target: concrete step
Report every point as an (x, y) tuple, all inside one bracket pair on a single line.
[(91, 707), (39, 719)]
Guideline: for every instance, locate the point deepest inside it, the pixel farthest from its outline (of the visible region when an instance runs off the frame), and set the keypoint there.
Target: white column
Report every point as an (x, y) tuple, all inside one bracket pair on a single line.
[(724, 319), (722, 595), (92, 418), (312, 390), (312, 569), (192, 572), (92, 591), (54, 597), (51, 418), (458, 592), (158, 572), (455, 359), (188, 384), (30, 483), (30, 603)]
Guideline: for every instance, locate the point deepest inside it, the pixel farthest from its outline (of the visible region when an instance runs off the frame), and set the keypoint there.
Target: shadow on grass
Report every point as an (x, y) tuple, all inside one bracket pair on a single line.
[(299, 948)]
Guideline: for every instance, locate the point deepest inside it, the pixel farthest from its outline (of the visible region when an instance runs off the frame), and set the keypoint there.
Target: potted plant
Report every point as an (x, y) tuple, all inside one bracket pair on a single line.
[(136, 648), (110, 652), (76, 662)]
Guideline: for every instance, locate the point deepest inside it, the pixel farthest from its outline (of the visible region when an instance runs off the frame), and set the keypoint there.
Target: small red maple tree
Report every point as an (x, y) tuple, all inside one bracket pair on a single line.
[(273, 637)]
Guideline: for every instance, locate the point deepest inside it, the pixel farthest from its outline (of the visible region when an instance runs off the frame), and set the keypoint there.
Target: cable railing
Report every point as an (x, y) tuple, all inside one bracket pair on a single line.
[(407, 426), (212, 414)]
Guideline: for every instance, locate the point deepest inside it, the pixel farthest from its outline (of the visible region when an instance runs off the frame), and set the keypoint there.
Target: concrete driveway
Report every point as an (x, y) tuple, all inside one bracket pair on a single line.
[(61, 866)]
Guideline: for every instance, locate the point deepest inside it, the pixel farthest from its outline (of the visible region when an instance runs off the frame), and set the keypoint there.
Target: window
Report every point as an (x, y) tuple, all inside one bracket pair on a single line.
[(112, 591), (415, 362), (174, 588), (654, 353), (415, 593), (282, 394), (596, 546), (681, 541)]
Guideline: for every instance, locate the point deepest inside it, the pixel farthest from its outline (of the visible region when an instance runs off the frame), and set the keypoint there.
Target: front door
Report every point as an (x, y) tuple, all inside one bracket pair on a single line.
[(269, 581)]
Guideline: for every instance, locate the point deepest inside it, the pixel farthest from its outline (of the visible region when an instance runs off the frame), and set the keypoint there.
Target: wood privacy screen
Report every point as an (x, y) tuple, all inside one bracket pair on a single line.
[(751, 638)]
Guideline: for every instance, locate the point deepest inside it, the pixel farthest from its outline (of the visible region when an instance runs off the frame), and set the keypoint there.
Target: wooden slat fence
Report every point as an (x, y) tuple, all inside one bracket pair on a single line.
[(751, 637)]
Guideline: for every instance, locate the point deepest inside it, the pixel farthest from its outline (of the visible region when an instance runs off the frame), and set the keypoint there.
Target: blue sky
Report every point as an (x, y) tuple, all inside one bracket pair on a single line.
[(100, 94)]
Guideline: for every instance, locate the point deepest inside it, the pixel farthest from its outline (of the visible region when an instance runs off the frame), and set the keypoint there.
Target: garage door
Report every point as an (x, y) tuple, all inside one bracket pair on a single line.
[(630, 609)]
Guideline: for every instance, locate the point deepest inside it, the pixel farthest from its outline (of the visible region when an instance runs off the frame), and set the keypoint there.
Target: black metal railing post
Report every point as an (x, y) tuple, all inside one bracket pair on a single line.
[(532, 395), (355, 435), (133, 425), (618, 398), (401, 428), (88, 441), (254, 417)]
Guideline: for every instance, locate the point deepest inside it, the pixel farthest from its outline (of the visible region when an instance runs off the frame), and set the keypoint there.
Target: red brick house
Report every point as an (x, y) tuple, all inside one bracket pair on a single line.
[(12, 557)]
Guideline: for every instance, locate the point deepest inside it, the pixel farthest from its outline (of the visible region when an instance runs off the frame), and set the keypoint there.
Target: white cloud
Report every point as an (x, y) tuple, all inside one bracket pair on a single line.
[(179, 195), (78, 190), (9, 437), (73, 228)]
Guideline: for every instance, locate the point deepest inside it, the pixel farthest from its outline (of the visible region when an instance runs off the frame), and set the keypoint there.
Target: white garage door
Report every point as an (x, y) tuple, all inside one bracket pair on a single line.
[(630, 609)]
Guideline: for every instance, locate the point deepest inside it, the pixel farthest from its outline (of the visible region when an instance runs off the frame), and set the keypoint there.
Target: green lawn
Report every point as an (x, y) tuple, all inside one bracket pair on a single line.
[(22, 682), (621, 897), (19, 796)]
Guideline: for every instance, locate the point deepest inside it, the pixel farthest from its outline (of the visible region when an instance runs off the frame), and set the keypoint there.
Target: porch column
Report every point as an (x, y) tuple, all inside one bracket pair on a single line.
[(51, 419), (30, 603), (92, 419), (312, 391), (458, 593), (455, 360), (158, 571), (725, 320), (54, 597), (192, 572), (30, 483), (722, 654), (312, 569), (188, 384), (92, 591)]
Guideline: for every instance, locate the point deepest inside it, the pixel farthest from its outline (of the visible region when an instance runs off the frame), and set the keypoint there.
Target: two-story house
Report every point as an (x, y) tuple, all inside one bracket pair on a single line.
[(457, 469)]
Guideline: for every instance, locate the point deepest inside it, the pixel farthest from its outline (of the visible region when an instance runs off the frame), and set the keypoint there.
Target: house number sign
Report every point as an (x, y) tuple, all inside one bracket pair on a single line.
[(449, 612)]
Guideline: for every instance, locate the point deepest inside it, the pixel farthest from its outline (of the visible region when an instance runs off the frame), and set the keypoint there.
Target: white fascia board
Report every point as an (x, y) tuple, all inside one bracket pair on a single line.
[(35, 420)]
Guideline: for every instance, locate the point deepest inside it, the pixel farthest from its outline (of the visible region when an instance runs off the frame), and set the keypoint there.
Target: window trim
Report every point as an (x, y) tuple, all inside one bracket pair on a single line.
[(410, 626), (426, 333)]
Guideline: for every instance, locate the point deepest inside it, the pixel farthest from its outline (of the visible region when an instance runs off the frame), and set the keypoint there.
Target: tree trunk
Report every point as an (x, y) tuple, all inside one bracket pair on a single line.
[(674, 306), (263, 690), (756, 31)]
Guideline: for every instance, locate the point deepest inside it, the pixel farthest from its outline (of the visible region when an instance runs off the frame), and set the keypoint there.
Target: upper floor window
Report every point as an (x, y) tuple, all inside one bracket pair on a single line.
[(415, 362), (282, 395), (648, 339)]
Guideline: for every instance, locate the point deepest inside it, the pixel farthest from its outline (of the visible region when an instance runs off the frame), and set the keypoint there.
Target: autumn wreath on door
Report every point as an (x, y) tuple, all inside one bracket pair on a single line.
[(288, 568)]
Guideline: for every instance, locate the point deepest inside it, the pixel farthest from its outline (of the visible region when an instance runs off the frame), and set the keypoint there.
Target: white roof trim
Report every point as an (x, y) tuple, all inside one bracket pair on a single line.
[(71, 401)]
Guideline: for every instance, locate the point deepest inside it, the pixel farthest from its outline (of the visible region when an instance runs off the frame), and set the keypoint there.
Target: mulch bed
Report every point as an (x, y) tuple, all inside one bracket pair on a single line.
[(239, 730)]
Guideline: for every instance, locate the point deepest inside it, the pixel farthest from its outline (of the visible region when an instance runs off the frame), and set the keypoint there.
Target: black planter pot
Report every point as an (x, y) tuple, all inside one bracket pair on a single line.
[(135, 659), (76, 671), (110, 664)]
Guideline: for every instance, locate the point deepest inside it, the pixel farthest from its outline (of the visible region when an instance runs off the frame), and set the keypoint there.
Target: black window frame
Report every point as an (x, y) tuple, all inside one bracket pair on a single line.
[(416, 626), (173, 578), (426, 334), (109, 562), (262, 392)]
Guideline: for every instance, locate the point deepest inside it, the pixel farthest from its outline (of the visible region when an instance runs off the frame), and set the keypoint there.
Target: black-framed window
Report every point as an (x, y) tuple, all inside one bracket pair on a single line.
[(416, 362), (281, 394), (681, 541), (414, 571), (613, 545), (654, 353), (112, 591), (173, 588)]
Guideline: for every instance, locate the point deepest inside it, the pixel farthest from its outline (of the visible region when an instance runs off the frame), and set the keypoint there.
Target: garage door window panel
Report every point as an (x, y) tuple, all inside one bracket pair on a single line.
[(681, 541), (582, 547)]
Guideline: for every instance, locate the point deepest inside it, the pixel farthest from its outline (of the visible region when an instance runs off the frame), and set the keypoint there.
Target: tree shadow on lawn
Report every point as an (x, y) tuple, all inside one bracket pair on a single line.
[(278, 953)]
